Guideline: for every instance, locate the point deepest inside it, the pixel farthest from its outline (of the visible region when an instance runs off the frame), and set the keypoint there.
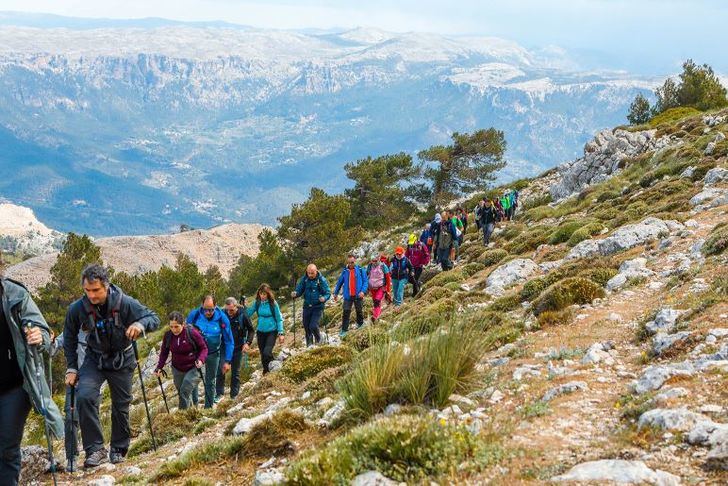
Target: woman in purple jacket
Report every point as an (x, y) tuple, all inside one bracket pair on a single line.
[(189, 352)]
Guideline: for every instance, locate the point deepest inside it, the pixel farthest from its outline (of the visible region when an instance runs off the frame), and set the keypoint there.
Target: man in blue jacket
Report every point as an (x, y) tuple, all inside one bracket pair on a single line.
[(354, 281), (315, 291), (112, 321), (214, 326)]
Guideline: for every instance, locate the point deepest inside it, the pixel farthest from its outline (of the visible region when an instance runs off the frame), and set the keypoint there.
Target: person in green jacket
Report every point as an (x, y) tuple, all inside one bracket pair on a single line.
[(270, 323), (24, 333), (506, 203)]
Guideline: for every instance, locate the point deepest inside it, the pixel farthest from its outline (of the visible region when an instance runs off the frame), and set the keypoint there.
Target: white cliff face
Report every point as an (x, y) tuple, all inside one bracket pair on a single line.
[(22, 233)]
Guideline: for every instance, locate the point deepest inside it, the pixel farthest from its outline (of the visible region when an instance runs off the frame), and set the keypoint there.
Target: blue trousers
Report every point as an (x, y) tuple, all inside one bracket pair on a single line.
[(398, 290)]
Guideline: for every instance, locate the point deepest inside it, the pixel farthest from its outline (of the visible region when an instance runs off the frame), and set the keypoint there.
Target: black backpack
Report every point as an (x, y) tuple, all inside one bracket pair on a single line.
[(167, 341)]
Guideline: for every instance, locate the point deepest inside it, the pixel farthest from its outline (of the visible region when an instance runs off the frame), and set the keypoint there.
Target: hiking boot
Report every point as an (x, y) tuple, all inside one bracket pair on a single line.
[(116, 457), (217, 399), (342, 334), (72, 464), (97, 458)]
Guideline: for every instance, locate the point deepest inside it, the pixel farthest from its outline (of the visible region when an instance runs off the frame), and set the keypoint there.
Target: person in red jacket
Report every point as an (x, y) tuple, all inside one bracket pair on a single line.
[(189, 352), (419, 255)]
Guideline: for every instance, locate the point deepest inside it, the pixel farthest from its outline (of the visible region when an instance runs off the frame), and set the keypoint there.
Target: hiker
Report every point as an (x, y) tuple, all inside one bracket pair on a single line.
[(402, 271), (23, 332), (315, 291), (214, 326), (513, 201), (113, 321), (270, 323), (477, 212), (445, 241), (70, 423), (506, 205), (499, 210), (242, 331), (426, 237), (460, 234), (488, 218), (419, 256), (434, 234), (354, 281), (189, 352), (463, 217), (379, 281)]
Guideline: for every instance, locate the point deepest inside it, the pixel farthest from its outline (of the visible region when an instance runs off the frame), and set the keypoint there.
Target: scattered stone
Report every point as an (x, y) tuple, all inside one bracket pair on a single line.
[(268, 463), (717, 458), (680, 419), (564, 389), (598, 353), (463, 402), (622, 239), (715, 175), (496, 397), (373, 478), (245, 425), (664, 342), (688, 173), (712, 409), (132, 470), (710, 197), (509, 274), (332, 414), (670, 394), (655, 376), (392, 409), (33, 463), (718, 332), (525, 371), (275, 365), (505, 349), (105, 480), (619, 471), (269, 477), (664, 321)]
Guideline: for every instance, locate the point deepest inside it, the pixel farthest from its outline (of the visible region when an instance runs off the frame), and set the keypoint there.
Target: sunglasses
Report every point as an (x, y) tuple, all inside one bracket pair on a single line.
[(207, 310)]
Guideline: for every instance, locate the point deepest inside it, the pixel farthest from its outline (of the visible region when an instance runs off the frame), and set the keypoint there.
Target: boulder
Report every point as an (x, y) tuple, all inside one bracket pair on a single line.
[(622, 239), (715, 175), (663, 342), (105, 480), (710, 197), (655, 376), (268, 477), (332, 414), (564, 389), (510, 273), (618, 471), (597, 353), (628, 270), (665, 321), (680, 419), (717, 458), (245, 425), (372, 478)]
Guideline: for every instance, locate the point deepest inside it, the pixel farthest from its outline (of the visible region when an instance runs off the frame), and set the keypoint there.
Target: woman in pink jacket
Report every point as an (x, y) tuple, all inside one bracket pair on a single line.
[(419, 255)]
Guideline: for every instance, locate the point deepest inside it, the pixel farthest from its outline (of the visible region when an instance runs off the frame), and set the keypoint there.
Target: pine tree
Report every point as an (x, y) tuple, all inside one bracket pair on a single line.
[(639, 111), (700, 87)]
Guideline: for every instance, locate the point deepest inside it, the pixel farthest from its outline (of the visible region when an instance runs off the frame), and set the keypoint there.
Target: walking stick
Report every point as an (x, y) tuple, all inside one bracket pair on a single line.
[(202, 378), (294, 322), (144, 394), (71, 460), (44, 411), (164, 395)]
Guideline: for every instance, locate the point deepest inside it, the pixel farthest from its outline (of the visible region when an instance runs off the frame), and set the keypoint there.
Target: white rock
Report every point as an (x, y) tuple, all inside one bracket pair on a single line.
[(715, 175), (670, 394), (680, 419), (629, 270), (509, 274), (464, 403), (269, 477), (710, 197), (564, 389), (105, 480), (597, 354), (622, 239), (332, 414), (132, 471), (663, 342), (525, 371), (372, 478), (654, 377), (496, 397), (688, 173), (719, 332), (245, 425), (619, 471), (392, 409), (665, 321)]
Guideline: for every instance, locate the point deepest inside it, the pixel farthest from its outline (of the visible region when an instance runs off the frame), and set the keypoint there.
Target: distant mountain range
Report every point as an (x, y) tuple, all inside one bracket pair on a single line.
[(134, 127)]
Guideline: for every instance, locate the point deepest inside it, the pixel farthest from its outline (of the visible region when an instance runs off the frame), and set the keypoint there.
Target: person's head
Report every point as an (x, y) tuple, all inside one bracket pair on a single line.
[(427, 227), (350, 261), (176, 322), (399, 253), (383, 258), (445, 216), (265, 293), (374, 258), (95, 283), (231, 306), (312, 271), (459, 210), (438, 218), (482, 202), (208, 306), (488, 203)]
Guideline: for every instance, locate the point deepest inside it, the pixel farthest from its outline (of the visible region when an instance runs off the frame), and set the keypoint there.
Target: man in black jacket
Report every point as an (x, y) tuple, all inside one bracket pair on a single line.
[(113, 321), (243, 333), (488, 217)]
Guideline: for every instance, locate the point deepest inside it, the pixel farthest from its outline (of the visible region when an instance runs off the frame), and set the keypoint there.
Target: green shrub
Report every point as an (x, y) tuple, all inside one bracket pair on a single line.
[(324, 384), (567, 292), (485, 319), (564, 232), (361, 339), (506, 303), (433, 294), (717, 241), (534, 287), (311, 362), (529, 241), (555, 318), (473, 251), (443, 278), (427, 319), (491, 257), (168, 427), (584, 233), (501, 335), (274, 435), (412, 449), (673, 115), (471, 269), (600, 275), (536, 201), (452, 286)]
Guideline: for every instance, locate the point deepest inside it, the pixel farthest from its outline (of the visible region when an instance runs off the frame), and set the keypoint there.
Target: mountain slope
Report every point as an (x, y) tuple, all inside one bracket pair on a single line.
[(209, 125)]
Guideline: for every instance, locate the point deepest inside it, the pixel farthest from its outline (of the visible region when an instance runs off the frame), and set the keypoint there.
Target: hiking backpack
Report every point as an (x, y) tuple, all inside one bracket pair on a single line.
[(376, 275), (167, 341)]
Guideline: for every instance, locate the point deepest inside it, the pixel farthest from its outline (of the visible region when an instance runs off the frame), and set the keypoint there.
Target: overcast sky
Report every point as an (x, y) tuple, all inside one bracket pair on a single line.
[(639, 35)]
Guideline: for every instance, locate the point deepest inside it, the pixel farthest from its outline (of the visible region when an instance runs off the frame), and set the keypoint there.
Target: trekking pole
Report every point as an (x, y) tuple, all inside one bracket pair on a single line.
[(72, 408), (202, 378), (164, 395), (44, 411), (144, 394), (294, 322)]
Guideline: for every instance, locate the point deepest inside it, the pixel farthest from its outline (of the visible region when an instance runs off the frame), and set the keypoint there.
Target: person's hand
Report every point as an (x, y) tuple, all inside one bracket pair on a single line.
[(53, 336), (336, 298), (361, 295), (71, 378), (246, 348), (33, 336), (198, 364), (225, 368), (321, 299), (158, 372), (280, 339), (294, 294), (133, 332)]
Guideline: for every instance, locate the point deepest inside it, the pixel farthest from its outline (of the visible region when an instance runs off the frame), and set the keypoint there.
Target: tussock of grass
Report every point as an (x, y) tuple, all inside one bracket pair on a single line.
[(404, 448), (586, 232), (443, 278), (506, 303), (567, 292), (361, 339), (564, 231), (491, 257), (471, 269), (168, 427), (434, 294), (273, 437), (717, 241), (305, 365), (427, 319), (324, 384), (555, 318)]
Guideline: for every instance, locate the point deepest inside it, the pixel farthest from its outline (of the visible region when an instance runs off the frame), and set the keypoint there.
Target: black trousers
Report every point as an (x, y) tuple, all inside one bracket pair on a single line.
[(266, 343), (358, 304), (311, 318), (416, 281), (14, 409), (88, 399)]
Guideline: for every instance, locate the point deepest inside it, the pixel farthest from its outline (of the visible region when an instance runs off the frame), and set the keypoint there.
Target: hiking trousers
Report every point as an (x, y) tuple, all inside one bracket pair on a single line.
[(88, 399), (311, 318), (416, 281), (185, 382), (377, 296), (398, 285), (211, 367), (235, 365), (487, 231), (14, 409), (443, 256), (358, 304), (266, 343)]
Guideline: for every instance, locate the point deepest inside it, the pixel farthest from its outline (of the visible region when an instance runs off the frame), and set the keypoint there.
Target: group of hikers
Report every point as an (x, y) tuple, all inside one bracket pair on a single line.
[(100, 332)]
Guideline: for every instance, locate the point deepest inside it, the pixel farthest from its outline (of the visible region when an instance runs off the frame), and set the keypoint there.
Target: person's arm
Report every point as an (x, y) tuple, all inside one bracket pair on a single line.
[(56, 345), (70, 340), (300, 288), (364, 281), (140, 316), (164, 350), (279, 319), (31, 316), (249, 311), (191, 317), (326, 288), (227, 337), (339, 283)]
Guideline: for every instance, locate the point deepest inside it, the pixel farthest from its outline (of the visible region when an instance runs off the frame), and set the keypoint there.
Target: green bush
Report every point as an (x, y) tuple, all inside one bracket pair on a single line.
[(717, 241), (427, 319), (555, 318), (471, 269), (584, 233), (528, 241), (501, 335), (412, 449), (434, 294), (311, 362), (324, 384), (673, 115), (506, 303), (274, 435), (600, 275), (443, 278), (168, 427), (491, 257), (485, 319), (536, 201), (564, 232), (567, 292)]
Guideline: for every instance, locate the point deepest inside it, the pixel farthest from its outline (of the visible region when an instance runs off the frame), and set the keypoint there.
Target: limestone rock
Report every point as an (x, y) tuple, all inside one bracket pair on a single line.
[(105, 480), (663, 342), (509, 274), (715, 175), (332, 414), (628, 270), (619, 471), (33, 463), (680, 419), (372, 478), (622, 239), (564, 389), (655, 376), (665, 321), (710, 197), (269, 477)]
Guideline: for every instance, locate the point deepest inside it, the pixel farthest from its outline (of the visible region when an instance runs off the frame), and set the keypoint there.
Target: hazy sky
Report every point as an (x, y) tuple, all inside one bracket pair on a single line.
[(639, 35)]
